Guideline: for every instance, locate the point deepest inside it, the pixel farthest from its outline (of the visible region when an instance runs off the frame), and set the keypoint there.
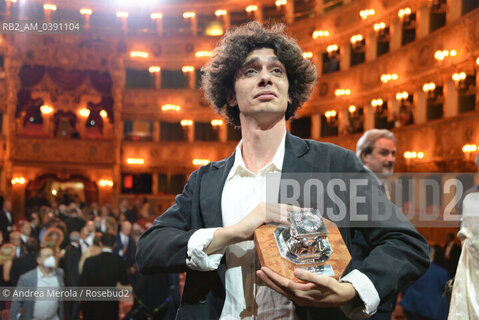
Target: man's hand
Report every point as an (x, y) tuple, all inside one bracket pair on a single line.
[(319, 291), (264, 213)]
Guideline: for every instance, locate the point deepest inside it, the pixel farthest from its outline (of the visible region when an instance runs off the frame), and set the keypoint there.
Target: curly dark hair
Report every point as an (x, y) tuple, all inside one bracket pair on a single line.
[(218, 75)]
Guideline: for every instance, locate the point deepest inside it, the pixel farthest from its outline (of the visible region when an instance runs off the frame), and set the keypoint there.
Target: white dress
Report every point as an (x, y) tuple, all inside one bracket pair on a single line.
[(465, 294)]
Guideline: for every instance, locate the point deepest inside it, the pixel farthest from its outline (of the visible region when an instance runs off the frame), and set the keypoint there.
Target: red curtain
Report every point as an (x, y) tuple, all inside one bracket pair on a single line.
[(64, 79), (31, 75), (67, 80)]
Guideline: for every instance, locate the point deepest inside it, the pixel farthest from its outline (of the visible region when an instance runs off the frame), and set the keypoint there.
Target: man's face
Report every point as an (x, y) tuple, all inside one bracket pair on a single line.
[(26, 229), (15, 239), (261, 85), (44, 254), (382, 159), (126, 228)]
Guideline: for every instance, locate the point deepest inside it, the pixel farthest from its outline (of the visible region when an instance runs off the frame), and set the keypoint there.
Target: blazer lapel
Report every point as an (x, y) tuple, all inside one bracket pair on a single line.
[(212, 185), (295, 149)]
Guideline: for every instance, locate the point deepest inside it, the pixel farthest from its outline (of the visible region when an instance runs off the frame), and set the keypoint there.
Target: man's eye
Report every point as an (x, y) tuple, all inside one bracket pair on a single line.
[(249, 72), (277, 70)]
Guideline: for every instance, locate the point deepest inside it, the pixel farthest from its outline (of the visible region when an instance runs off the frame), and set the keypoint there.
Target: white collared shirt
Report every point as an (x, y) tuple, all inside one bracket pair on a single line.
[(246, 297), (46, 309), (24, 238), (124, 242)]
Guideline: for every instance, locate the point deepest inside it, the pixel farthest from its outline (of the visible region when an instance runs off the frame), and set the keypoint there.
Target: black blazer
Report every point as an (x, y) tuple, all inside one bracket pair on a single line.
[(4, 224), (400, 256), (103, 270), (129, 256), (71, 262), (22, 265)]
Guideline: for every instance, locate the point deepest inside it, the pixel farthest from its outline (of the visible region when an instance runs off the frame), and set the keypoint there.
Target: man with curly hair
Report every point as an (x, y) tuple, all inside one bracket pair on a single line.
[(257, 78)]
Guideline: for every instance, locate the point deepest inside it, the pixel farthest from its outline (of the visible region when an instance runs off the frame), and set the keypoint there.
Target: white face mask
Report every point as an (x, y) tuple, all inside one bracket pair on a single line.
[(49, 262)]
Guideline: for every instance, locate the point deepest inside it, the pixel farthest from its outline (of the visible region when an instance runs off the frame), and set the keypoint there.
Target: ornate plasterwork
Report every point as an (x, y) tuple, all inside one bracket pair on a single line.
[(62, 150), (65, 100), (68, 52)]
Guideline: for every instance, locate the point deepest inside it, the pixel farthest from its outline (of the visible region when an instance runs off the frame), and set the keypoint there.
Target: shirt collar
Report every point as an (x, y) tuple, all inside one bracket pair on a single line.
[(42, 275), (239, 168), (106, 250)]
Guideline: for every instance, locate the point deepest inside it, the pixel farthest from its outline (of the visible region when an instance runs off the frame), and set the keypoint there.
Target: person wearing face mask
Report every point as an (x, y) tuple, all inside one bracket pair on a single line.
[(45, 275)]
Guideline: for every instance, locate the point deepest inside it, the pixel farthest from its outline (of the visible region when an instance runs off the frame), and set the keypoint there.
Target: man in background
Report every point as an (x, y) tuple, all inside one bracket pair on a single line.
[(376, 149), (103, 270), (7, 223), (46, 275)]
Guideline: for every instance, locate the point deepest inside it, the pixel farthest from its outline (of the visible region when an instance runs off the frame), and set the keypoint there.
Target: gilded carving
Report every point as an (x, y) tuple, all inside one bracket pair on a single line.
[(62, 150)]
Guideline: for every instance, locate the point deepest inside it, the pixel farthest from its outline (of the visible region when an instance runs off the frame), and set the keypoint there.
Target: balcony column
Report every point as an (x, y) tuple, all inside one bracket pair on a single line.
[(118, 76), (117, 182), (156, 131), (191, 79), (12, 68), (226, 19), (154, 183), (368, 117), (7, 176), (223, 133), (159, 26), (80, 125), (48, 126), (393, 109), (289, 12), (345, 56), (423, 21), (396, 34), (454, 10), (420, 111), (194, 26), (316, 126), (451, 99), (343, 122), (258, 14), (190, 133), (157, 79), (371, 46)]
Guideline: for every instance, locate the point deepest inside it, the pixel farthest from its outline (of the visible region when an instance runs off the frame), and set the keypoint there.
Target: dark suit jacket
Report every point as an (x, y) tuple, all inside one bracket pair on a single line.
[(4, 224), (70, 265), (400, 256), (103, 270), (129, 255), (22, 265)]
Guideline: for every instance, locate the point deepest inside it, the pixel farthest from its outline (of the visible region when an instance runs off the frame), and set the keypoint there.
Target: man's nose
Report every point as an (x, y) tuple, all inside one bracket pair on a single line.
[(391, 157), (264, 78)]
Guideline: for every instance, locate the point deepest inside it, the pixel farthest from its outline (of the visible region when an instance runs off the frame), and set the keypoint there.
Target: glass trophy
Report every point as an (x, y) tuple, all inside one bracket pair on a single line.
[(305, 242), (311, 242)]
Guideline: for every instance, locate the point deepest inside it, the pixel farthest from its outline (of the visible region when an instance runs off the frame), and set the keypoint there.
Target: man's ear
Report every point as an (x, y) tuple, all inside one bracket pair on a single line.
[(231, 99), (364, 157)]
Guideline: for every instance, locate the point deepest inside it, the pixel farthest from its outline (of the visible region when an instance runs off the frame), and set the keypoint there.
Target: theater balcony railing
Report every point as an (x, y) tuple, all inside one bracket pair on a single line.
[(442, 150), (62, 151), (147, 103), (161, 155)]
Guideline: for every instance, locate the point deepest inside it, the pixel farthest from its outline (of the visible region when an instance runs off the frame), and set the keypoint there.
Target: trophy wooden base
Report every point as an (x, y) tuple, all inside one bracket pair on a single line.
[(270, 257)]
